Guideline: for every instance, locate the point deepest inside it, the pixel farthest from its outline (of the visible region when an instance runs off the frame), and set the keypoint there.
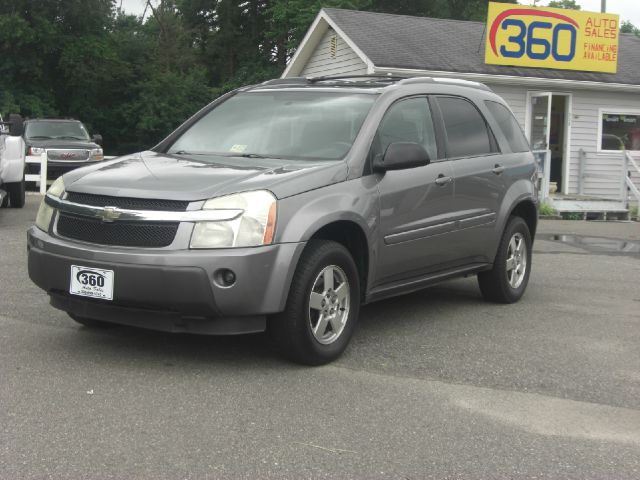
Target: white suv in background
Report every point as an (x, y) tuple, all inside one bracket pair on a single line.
[(12, 161)]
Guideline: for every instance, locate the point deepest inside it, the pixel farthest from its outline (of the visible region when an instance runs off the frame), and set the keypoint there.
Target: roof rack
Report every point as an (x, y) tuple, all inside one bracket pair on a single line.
[(334, 78), (450, 81), (373, 79), (286, 81), (358, 78)]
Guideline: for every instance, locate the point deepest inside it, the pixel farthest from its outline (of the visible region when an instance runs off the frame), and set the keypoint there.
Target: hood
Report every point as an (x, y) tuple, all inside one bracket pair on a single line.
[(53, 143), (156, 175)]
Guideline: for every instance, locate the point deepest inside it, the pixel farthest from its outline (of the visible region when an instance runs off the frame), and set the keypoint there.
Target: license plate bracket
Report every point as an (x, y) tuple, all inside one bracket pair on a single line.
[(91, 282)]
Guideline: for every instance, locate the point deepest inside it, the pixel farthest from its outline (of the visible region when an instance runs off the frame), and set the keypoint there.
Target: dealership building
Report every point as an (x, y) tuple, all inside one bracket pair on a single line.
[(586, 123)]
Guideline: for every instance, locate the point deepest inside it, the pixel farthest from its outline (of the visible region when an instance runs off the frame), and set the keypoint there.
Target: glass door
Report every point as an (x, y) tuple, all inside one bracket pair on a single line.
[(539, 136), (540, 121)]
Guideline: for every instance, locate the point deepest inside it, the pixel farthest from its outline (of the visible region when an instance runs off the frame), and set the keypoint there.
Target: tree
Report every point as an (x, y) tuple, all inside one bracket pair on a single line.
[(628, 27), (566, 4), (134, 81)]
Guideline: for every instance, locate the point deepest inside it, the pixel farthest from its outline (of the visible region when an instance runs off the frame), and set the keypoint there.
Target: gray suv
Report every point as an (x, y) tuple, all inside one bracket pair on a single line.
[(286, 206)]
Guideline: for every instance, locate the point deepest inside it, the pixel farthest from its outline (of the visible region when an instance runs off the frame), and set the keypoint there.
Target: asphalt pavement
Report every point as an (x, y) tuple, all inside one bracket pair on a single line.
[(436, 384)]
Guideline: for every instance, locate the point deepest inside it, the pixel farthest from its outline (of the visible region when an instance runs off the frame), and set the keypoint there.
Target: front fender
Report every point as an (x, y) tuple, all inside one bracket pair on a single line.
[(357, 201)]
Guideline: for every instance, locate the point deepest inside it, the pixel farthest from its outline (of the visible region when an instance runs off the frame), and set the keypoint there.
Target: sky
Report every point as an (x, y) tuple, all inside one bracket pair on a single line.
[(627, 9)]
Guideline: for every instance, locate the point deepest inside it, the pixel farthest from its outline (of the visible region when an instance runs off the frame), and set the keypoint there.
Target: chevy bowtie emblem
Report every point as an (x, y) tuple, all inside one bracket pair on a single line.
[(109, 214)]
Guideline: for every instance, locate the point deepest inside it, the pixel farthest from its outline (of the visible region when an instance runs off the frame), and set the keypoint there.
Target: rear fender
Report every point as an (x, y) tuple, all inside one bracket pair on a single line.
[(521, 191)]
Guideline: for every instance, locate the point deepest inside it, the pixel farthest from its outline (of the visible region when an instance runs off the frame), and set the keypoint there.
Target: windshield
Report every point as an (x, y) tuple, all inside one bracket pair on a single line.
[(283, 124), (56, 130)]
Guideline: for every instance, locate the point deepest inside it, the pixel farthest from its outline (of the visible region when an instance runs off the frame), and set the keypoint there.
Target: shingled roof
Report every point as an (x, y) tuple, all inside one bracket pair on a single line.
[(433, 44)]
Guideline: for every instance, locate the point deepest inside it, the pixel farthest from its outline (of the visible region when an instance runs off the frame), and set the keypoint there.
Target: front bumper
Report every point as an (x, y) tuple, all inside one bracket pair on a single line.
[(55, 169), (171, 290)]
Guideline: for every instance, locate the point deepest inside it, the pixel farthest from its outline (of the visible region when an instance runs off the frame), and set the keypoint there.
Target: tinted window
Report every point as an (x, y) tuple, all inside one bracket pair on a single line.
[(58, 130), (620, 130), (408, 121), (509, 126), (467, 133)]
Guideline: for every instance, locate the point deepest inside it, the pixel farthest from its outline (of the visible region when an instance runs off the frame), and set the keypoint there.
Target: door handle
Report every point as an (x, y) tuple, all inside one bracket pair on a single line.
[(498, 169), (442, 180)]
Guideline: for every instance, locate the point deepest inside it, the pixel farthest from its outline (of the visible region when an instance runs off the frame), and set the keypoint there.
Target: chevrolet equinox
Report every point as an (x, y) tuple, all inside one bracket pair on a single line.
[(285, 206)]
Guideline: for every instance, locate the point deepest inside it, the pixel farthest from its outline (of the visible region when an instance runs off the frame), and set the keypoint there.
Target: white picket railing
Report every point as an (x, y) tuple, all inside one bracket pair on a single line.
[(629, 161), (39, 177), (623, 176)]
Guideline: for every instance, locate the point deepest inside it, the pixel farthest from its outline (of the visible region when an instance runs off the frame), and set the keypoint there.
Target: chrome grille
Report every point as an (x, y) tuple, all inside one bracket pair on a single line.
[(68, 155), (126, 234)]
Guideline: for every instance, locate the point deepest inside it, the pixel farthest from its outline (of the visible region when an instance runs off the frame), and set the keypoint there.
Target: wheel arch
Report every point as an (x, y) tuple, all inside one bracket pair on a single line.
[(527, 210), (350, 235)]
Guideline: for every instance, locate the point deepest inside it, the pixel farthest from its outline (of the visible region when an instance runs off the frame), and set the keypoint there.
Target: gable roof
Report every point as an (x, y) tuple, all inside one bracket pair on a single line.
[(386, 41)]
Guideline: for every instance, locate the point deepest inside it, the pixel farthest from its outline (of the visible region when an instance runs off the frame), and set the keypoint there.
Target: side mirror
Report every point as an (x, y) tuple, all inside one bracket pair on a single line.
[(16, 125), (97, 138), (400, 156)]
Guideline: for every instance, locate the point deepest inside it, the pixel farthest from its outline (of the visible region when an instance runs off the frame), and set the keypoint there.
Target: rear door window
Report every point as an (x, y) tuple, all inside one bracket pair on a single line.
[(509, 126), (466, 130)]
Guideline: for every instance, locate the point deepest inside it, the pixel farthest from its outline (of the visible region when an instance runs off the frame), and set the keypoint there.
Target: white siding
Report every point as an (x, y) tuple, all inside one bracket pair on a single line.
[(584, 134), (321, 62), (516, 97)]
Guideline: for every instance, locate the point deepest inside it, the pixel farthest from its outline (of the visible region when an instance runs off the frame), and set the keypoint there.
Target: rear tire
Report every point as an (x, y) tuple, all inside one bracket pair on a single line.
[(16, 194), (322, 307), (16, 125), (508, 279), (91, 323)]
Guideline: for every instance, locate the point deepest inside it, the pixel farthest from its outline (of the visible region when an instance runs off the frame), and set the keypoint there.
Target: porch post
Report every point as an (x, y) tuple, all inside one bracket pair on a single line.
[(581, 161), (625, 174)]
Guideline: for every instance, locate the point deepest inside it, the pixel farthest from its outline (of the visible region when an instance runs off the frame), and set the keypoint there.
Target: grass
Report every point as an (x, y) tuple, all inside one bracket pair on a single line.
[(547, 209), (573, 216)]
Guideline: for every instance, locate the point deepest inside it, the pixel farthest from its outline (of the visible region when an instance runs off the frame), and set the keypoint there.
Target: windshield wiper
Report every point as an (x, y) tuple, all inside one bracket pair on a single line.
[(225, 154), (40, 137), (184, 152), (61, 137), (254, 155)]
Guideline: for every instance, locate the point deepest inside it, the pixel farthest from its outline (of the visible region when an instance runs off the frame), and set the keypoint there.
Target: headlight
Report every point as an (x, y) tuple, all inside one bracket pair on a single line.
[(96, 154), (45, 212), (36, 151), (255, 226)]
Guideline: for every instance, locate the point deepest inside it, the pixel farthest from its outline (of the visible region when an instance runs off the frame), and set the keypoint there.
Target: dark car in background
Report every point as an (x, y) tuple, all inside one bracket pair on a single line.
[(67, 142)]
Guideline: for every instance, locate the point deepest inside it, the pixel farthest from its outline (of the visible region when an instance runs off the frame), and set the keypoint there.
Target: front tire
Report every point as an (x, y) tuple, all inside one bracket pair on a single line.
[(16, 194), (322, 307), (508, 279)]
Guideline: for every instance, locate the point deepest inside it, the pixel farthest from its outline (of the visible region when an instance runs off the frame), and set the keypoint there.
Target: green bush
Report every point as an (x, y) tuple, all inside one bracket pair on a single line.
[(547, 209)]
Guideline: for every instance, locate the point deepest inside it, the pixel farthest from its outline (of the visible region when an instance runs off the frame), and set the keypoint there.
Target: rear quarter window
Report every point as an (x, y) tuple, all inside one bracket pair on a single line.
[(509, 126)]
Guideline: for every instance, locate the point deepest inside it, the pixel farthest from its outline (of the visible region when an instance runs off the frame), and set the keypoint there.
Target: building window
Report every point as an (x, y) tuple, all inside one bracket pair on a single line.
[(619, 129), (333, 46)]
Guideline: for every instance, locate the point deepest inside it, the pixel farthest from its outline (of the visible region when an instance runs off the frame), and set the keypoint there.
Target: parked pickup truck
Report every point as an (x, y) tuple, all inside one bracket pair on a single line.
[(12, 161)]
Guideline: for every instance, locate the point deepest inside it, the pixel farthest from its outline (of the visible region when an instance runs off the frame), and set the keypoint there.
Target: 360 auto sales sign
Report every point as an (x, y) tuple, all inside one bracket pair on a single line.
[(523, 36)]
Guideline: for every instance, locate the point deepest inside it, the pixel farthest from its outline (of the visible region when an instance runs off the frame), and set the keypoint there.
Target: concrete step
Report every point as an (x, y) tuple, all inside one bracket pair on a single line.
[(590, 208)]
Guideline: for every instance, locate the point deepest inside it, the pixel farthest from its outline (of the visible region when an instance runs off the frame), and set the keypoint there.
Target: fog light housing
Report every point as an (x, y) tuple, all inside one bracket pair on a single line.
[(225, 277)]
